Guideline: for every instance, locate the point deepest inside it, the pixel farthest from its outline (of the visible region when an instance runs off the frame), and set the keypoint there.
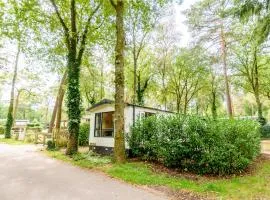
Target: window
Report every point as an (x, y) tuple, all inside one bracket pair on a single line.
[(148, 114), (104, 124)]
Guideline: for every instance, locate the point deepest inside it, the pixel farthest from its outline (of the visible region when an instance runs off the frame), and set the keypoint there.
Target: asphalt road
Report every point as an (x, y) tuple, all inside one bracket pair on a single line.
[(28, 175)]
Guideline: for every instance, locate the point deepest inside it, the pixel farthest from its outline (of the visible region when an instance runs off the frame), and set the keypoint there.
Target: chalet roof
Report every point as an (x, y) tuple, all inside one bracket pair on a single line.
[(108, 101)]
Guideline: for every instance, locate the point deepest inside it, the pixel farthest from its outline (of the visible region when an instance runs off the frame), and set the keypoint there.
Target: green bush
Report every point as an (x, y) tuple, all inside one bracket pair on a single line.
[(2, 130), (195, 144), (265, 131), (51, 145), (84, 134)]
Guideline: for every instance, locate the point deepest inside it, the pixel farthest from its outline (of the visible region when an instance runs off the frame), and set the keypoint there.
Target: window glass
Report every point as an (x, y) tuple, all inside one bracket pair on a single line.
[(104, 124), (97, 124)]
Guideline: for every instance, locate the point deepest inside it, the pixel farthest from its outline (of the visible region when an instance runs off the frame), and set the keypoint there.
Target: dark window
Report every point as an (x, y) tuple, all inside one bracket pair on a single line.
[(104, 124), (148, 114)]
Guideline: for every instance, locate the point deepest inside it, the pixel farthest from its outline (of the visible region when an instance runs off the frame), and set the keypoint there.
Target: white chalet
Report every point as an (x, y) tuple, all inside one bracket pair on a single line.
[(101, 136)]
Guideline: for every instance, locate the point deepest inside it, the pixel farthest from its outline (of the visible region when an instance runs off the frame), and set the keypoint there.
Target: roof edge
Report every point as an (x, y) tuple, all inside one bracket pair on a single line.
[(108, 101)]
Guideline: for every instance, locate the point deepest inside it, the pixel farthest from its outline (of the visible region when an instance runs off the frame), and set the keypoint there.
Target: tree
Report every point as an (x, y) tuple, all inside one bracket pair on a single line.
[(119, 137), (209, 22), (17, 18), (166, 51), (261, 9), (10, 116), (58, 103), (250, 65), (185, 77), (141, 18), (75, 41)]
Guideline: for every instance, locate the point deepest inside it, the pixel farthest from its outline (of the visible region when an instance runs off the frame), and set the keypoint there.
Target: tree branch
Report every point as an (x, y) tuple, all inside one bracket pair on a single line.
[(73, 41), (66, 30), (84, 35), (113, 3)]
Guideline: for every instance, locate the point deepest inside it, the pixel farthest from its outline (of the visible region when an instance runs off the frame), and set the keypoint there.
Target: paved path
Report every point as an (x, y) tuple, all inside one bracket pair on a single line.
[(266, 147), (28, 175)]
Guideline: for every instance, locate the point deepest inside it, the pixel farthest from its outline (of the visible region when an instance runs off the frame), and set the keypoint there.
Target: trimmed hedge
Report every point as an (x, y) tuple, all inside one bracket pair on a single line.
[(84, 134), (195, 144)]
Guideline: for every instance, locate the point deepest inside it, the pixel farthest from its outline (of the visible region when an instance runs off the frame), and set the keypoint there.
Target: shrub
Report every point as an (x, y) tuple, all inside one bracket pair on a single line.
[(51, 145), (195, 144), (84, 134), (2, 130), (265, 131), (262, 121)]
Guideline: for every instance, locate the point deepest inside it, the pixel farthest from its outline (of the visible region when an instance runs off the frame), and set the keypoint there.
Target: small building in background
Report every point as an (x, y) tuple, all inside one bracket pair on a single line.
[(101, 115), (19, 129)]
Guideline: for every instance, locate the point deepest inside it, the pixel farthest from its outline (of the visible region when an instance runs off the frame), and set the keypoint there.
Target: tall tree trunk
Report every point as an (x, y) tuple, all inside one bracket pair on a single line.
[(134, 81), (259, 106), (164, 86), (102, 82), (213, 105), (62, 83), (73, 95), (257, 89), (11, 103), (138, 92), (119, 139), (186, 102), (16, 106), (227, 85), (214, 95), (178, 103), (59, 112)]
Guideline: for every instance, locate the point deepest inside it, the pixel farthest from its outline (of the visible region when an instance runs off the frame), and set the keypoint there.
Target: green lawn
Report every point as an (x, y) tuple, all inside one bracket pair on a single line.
[(11, 141), (255, 186)]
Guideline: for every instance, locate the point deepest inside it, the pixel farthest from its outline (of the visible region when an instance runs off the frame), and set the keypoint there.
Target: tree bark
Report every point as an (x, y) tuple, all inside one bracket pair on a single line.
[(227, 85), (163, 85), (256, 87), (16, 106), (134, 82), (214, 96), (10, 116), (59, 111), (119, 139), (62, 83), (74, 96), (213, 105), (178, 103), (185, 100)]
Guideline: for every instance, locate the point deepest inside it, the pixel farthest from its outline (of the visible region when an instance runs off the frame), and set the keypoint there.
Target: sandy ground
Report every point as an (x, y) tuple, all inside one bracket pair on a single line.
[(29, 175)]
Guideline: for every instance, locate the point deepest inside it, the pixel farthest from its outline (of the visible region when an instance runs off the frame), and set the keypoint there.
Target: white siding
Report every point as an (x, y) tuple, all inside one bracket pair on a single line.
[(100, 141)]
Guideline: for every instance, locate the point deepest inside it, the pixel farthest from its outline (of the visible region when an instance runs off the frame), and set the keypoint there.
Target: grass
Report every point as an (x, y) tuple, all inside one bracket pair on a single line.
[(253, 186), (11, 141)]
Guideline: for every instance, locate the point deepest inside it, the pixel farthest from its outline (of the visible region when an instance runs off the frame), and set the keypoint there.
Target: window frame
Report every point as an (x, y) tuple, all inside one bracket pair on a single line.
[(95, 128)]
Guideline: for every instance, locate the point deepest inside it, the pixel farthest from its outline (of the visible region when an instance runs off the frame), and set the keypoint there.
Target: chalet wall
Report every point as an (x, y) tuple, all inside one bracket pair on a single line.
[(109, 141)]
